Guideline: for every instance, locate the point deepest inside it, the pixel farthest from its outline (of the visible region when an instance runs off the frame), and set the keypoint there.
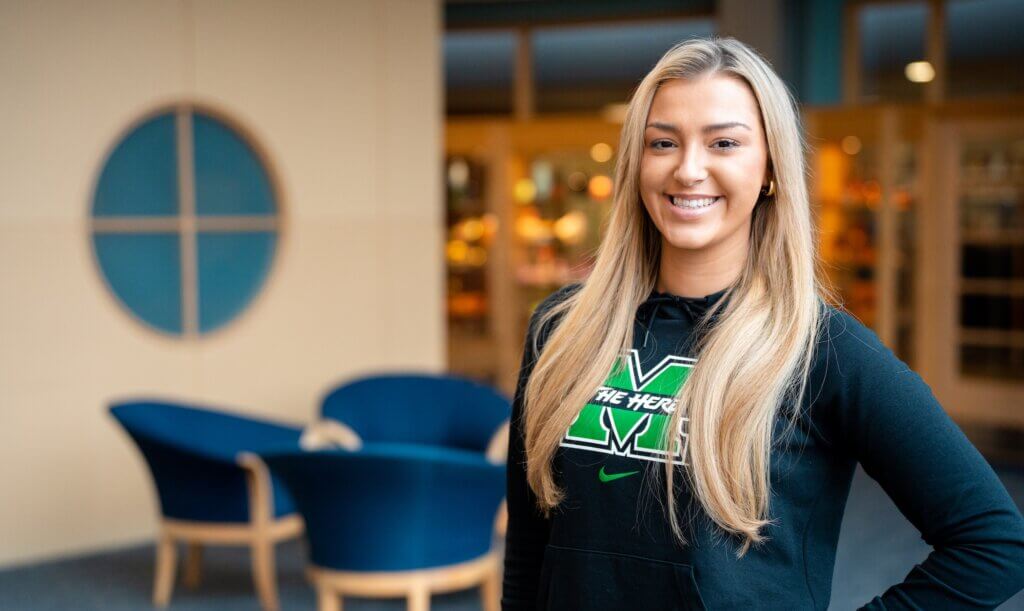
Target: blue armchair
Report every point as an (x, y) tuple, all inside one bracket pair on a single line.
[(396, 519), (422, 408), (425, 408), (212, 487)]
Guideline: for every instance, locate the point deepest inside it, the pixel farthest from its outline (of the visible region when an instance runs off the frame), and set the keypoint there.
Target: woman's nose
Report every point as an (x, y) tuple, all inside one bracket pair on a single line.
[(692, 168)]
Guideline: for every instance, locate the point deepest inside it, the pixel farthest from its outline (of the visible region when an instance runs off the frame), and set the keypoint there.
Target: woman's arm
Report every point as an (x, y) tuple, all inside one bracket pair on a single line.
[(527, 532), (889, 420)]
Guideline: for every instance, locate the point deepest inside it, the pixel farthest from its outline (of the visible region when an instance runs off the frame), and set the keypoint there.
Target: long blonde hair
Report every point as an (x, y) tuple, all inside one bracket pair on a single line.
[(758, 349)]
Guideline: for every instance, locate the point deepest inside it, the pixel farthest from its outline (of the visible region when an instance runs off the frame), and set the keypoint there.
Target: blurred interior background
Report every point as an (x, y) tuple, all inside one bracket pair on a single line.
[(913, 112), (246, 203)]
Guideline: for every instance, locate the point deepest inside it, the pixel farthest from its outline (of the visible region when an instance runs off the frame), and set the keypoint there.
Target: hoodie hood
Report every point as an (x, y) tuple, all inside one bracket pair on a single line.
[(667, 306)]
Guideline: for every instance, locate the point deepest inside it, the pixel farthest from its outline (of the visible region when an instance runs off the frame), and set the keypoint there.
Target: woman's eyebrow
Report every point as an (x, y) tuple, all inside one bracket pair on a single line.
[(670, 127)]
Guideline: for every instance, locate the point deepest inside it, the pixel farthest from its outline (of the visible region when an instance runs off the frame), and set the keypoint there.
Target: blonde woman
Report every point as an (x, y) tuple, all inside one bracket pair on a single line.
[(688, 419)]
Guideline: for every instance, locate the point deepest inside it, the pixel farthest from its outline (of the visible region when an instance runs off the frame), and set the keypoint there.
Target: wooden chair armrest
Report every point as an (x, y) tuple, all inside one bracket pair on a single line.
[(497, 449)]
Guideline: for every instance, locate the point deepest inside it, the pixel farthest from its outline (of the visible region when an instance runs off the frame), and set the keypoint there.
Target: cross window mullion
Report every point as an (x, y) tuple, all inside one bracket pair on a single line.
[(173, 224), (137, 224), (237, 223), (186, 208)]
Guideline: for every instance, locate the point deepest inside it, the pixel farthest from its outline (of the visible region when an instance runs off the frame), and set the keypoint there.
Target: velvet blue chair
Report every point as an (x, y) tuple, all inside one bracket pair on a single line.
[(397, 519), (422, 408), (212, 487)]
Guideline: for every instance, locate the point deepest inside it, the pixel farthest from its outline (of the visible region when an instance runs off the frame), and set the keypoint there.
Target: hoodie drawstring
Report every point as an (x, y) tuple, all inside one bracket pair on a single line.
[(650, 322)]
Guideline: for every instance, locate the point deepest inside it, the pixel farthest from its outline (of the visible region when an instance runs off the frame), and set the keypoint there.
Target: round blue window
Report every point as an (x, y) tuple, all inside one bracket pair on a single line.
[(185, 221)]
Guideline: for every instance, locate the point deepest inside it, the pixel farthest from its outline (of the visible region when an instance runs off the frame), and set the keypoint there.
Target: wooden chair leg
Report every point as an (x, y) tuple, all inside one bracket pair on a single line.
[(263, 574), (193, 565), (490, 591), (419, 598), (261, 512), (327, 599), (166, 563)]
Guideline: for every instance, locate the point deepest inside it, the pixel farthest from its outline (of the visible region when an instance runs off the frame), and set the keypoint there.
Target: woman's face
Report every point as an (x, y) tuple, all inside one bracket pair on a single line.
[(705, 144)]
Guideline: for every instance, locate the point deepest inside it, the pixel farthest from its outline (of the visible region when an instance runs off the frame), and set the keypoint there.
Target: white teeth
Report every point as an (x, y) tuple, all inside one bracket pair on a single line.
[(693, 203)]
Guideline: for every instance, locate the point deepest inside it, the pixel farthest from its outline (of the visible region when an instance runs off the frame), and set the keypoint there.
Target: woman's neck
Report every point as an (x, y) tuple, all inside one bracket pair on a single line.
[(698, 273)]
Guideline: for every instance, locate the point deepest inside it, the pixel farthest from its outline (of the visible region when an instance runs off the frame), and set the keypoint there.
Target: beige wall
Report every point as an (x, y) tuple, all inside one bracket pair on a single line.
[(345, 97)]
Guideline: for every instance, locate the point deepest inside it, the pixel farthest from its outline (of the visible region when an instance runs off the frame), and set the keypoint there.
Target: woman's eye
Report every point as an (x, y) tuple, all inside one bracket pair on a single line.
[(728, 144)]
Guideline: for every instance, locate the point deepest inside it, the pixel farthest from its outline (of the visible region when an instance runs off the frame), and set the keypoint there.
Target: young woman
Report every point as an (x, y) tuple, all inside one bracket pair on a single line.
[(688, 419)]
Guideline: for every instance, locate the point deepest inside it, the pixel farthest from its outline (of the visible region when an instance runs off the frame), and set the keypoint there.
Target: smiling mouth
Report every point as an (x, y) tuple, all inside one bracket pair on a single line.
[(692, 204)]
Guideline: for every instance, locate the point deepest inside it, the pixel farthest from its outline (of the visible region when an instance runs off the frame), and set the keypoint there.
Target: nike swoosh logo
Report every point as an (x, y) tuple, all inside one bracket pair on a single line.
[(611, 477)]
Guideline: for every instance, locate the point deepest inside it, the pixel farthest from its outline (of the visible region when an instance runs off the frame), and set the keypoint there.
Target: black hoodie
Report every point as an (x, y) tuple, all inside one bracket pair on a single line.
[(608, 546)]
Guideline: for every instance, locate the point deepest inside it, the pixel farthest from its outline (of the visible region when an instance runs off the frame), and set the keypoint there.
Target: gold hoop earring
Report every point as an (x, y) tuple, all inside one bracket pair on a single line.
[(771, 188)]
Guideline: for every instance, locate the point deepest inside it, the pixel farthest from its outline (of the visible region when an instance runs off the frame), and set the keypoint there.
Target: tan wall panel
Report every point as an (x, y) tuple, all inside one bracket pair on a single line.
[(344, 97), (74, 74)]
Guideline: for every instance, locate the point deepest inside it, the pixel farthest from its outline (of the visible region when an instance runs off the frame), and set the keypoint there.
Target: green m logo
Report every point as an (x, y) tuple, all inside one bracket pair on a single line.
[(628, 416)]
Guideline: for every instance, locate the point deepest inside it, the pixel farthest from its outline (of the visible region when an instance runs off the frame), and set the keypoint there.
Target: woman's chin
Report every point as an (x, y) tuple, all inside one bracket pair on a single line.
[(688, 240)]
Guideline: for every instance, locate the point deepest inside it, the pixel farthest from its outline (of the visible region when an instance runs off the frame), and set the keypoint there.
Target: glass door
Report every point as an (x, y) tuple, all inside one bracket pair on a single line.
[(973, 259), (991, 284)]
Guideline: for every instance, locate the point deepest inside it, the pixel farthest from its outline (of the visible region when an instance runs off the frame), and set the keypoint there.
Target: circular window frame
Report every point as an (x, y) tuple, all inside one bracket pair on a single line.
[(187, 225)]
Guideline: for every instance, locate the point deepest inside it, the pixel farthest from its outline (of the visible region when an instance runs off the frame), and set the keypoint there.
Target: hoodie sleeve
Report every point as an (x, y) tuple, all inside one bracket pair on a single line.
[(527, 531), (888, 419)]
